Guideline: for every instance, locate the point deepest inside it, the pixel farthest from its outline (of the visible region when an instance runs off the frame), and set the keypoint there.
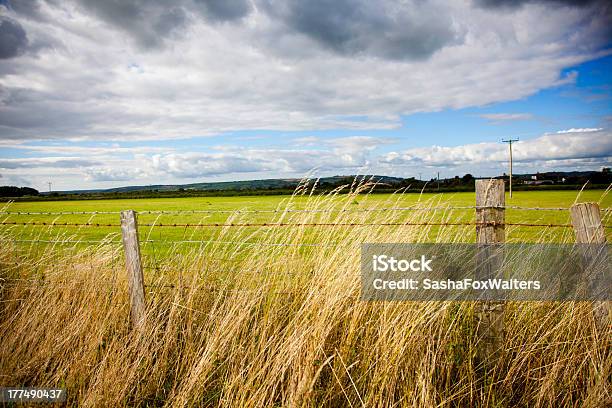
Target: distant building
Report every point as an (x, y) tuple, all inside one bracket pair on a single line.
[(537, 182)]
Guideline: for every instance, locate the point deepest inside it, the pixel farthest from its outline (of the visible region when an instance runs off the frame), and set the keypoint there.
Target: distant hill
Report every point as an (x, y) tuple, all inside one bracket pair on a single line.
[(571, 180), (556, 177), (251, 185)]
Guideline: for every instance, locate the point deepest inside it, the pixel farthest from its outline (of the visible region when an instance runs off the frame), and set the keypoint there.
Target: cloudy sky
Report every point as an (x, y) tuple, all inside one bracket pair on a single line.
[(104, 93)]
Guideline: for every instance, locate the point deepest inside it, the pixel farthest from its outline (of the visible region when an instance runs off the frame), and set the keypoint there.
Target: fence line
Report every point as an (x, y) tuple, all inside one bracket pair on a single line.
[(353, 224), (275, 244), (49, 241), (310, 224), (59, 224), (57, 212), (489, 224), (281, 211), (170, 242), (113, 286)]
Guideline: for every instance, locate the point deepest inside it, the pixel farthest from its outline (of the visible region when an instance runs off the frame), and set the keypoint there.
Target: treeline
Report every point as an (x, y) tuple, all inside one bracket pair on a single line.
[(12, 191), (382, 184), (430, 188)]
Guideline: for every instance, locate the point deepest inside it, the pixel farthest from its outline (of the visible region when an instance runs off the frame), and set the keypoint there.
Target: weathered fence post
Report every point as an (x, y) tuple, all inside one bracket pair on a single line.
[(586, 220), (490, 229), (129, 232)]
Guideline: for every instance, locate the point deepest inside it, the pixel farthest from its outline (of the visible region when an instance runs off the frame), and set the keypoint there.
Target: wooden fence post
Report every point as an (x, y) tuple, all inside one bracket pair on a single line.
[(490, 229), (129, 232), (586, 220)]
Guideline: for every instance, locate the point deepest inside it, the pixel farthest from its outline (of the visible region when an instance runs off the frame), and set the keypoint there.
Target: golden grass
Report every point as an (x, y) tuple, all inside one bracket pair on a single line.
[(242, 326)]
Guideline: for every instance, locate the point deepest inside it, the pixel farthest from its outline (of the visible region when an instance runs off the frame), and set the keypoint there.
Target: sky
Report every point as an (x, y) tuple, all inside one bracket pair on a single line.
[(100, 94)]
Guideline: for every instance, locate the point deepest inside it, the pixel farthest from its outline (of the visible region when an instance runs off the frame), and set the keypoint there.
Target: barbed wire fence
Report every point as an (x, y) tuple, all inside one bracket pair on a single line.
[(489, 222), (263, 224), (135, 258), (277, 211)]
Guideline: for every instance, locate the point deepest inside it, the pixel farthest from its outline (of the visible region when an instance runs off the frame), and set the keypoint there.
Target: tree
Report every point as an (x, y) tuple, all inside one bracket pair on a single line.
[(13, 191), (29, 191), (468, 178)]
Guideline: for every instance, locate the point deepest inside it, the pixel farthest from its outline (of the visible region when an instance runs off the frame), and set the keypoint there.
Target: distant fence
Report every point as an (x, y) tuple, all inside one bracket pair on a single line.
[(490, 223)]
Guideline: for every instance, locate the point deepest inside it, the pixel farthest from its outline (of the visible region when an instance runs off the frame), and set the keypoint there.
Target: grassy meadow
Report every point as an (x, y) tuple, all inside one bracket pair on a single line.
[(231, 207), (271, 316)]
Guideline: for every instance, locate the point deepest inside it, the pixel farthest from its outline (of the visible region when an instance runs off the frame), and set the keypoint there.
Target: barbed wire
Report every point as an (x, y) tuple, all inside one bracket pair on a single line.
[(167, 242), (164, 242), (272, 244), (58, 212), (303, 224), (162, 212), (48, 241), (59, 224), (281, 211), (281, 224), (113, 286), (354, 224), (517, 207)]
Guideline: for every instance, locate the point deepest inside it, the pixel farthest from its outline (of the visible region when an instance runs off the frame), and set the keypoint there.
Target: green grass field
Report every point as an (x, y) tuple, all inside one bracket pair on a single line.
[(353, 205), (158, 244)]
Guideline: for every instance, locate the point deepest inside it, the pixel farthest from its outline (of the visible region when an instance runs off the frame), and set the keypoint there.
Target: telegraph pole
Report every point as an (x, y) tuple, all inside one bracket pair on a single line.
[(510, 141)]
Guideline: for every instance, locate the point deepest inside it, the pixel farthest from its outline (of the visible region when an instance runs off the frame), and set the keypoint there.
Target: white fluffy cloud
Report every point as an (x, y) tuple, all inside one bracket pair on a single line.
[(250, 160), (92, 70), (572, 144), (572, 148)]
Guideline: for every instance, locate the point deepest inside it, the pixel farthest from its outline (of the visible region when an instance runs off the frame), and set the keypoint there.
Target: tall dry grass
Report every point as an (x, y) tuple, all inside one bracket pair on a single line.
[(240, 326)]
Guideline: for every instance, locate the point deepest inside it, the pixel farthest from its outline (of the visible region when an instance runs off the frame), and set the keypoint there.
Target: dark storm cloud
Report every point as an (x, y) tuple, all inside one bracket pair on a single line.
[(518, 3), (148, 22), (598, 13), (27, 8), (410, 30), (224, 10), (13, 39), (151, 22), (269, 72)]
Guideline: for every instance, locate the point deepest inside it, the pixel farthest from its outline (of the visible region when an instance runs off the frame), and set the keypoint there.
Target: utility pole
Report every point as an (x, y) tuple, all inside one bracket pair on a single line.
[(510, 141), (438, 180)]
